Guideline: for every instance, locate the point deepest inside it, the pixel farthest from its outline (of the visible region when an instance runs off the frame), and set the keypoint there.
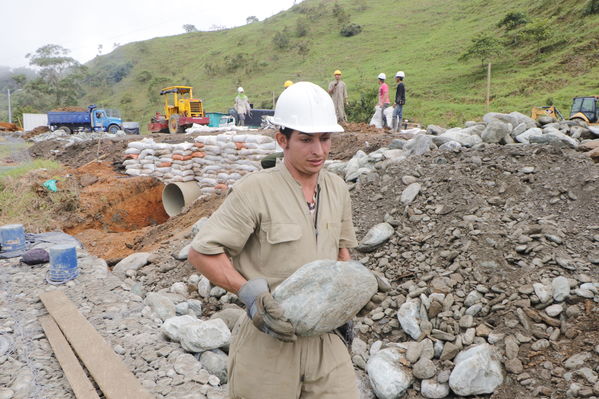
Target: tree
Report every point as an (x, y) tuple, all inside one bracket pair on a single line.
[(281, 40), (592, 7), (100, 48), (251, 19), (484, 47), (512, 20), (59, 75), (188, 28)]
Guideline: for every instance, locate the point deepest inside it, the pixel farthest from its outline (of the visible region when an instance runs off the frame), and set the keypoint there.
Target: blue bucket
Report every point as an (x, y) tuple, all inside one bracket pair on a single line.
[(12, 237), (63, 264), (214, 118)]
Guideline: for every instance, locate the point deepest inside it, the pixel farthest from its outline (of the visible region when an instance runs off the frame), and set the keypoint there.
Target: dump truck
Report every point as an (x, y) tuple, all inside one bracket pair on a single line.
[(181, 110), (93, 120)]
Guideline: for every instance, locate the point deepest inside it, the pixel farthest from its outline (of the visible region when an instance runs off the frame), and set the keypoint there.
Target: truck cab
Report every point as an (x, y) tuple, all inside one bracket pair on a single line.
[(105, 120)]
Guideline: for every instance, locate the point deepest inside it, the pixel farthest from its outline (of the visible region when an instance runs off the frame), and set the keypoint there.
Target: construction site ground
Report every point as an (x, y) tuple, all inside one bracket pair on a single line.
[(476, 203)]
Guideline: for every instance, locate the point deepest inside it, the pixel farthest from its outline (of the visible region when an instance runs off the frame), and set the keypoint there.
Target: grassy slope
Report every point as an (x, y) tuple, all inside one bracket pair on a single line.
[(423, 38)]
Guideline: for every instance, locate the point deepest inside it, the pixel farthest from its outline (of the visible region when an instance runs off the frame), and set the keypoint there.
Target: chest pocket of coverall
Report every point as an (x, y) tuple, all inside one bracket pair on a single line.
[(280, 241)]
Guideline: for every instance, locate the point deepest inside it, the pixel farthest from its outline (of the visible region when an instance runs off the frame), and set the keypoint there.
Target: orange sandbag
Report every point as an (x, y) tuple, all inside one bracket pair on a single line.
[(199, 145), (197, 154), (177, 157), (220, 187), (132, 156), (240, 146), (165, 164), (186, 157)]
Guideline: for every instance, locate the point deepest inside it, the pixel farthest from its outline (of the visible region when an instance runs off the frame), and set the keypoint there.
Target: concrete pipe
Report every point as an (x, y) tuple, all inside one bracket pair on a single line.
[(176, 196)]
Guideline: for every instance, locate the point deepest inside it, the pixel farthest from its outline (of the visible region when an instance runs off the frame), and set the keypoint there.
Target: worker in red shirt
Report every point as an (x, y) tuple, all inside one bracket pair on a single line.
[(384, 101)]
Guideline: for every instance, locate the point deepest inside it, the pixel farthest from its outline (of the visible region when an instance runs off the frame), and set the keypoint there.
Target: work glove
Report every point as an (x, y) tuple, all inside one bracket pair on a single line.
[(266, 314), (346, 333)]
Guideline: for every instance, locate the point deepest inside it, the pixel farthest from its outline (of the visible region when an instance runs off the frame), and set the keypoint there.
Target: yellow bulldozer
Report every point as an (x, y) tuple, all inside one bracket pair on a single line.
[(181, 111), (584, 109)]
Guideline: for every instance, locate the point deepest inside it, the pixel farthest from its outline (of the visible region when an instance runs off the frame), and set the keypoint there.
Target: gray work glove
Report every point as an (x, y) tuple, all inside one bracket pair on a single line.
[(266, 314)]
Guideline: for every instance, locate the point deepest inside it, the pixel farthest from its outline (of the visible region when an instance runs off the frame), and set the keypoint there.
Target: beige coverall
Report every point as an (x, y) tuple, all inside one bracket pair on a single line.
[(339, 96), (265, 225)]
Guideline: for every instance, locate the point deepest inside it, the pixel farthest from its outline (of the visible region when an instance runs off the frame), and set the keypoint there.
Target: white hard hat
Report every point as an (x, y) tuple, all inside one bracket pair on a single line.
[(307, 108), (400, 74), (382, 76), (240, 89)]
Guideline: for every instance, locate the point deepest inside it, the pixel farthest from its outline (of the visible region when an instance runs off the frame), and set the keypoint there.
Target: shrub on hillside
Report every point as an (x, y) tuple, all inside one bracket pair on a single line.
[(281, 40), (350, 29), (483, 47), (301, 27), (512, 20), (143, 76), (361, 109), (340, 14), (303, 47), (592, 7)]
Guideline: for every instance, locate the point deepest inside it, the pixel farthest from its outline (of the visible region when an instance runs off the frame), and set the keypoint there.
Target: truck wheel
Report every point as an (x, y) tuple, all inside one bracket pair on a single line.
[(112, 129), (173, 124), (66, 129)]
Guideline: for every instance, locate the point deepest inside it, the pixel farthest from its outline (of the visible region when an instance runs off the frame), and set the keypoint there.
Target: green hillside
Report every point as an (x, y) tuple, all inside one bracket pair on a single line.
[(424, 38)]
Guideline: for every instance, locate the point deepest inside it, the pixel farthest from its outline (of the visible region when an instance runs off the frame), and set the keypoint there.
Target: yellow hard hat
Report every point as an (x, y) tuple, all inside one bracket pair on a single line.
[(337, 72), (287, 84)]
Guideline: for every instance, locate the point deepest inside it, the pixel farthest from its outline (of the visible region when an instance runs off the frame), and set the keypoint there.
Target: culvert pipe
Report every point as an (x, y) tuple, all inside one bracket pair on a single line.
[(176, 196)]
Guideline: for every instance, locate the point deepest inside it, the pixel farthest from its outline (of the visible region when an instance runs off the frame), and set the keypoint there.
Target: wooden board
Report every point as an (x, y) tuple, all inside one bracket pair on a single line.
[(82, 387), (110, 373)]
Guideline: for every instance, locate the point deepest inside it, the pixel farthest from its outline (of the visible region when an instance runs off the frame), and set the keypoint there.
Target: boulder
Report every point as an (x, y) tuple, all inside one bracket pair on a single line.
[(588, 145), (409, 193), (408, 315), (424, 368), (496, 116), (229, 315), (518, 130), (561, 288), (525, 137), (495, 131), (325, 294), (462, 136), (131, 262), (161, 305), (215, 362), (172, 326), (389, 379), (477, 371), (433, 390), (375, 237), (201, 336), (435, 130), (418, 145), (519, 118), (545, 119), (453, 146)]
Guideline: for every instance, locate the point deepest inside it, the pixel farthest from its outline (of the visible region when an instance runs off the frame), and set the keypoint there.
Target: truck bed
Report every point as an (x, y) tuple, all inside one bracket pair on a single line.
[(58, 118)]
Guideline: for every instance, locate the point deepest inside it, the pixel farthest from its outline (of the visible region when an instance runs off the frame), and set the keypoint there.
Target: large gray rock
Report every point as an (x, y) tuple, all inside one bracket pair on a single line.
[(201, 336), (418, 145), (424, 368), (519, 118), (496, 116), (325, 294), (554, 136), (353, 166), (389, 379), (229, 315), (477, 371), (435, 130), (408, 316), (465, 137), (161, 305), (453, 146), (525, 137), (215, 361), (172, 326), (131, 262), (561, 288), (433, 390), (496, 131), (409, 193), (376, 236)]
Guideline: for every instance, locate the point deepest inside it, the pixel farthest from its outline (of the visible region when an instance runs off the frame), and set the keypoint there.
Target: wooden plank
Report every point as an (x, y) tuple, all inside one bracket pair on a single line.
[(107, 369), (82, 387)]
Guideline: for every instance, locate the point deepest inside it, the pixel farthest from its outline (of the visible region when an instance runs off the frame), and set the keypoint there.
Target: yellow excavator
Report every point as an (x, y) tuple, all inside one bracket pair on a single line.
[(181, 111), (584, 109)]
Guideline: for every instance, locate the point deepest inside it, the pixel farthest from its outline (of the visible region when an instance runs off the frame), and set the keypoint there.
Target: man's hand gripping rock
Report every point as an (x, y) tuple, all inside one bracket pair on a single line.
[(266, 314)]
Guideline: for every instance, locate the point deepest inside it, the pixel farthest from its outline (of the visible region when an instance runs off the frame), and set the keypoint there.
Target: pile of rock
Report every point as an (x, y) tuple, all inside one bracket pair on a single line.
[(215, 162), (70, 139)]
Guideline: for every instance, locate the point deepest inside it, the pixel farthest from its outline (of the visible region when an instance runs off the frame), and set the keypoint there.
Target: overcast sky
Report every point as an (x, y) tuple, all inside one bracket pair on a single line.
[(81, 26)]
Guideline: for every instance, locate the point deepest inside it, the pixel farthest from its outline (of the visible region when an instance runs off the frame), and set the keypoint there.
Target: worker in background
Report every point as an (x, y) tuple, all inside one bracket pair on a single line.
[(270, 160), (242, 106), (271, 223), (338, 92), (383, 98), (287, 84), (400, 100)]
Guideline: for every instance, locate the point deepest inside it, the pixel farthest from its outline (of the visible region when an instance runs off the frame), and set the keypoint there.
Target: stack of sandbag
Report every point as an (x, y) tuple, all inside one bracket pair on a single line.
[(215, 162)]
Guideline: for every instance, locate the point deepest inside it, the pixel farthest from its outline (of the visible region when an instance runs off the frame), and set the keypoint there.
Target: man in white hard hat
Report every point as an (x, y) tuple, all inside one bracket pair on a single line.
[(338, 92), (242, 106), (383, 97), (400, 100), (271, 223)]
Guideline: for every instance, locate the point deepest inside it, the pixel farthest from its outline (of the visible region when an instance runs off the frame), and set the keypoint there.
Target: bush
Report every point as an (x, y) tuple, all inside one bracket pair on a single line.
[(513, 19), (143, 77), (281, 40), (362, 109), (340, 14), (350, 29), (301, 28), (303, 47), (591, 8)]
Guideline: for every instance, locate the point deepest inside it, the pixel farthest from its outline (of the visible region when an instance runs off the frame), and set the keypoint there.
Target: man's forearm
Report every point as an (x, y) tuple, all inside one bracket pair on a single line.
[(218, 269)]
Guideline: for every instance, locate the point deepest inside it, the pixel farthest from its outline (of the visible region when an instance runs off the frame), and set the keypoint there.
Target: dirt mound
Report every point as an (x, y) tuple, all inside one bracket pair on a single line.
[(8, 127), (69, 109), (36, 131), (345, 145)]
